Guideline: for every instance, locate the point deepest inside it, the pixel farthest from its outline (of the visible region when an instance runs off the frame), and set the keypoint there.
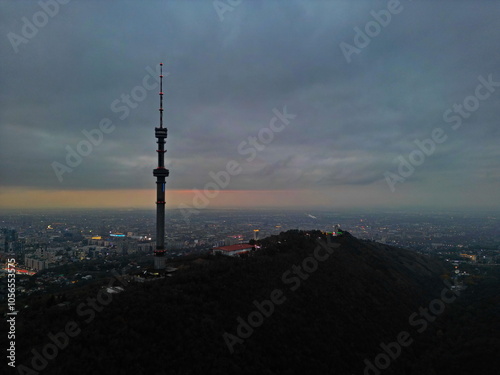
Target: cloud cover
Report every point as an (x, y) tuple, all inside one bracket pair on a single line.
[(225, 78)]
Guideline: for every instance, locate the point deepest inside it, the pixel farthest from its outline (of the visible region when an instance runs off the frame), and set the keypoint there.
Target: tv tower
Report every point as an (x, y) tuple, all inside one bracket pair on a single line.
[(160, 173)]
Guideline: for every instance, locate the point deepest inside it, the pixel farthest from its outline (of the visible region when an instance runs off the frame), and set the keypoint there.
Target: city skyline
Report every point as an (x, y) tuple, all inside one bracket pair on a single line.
[(304, 104)]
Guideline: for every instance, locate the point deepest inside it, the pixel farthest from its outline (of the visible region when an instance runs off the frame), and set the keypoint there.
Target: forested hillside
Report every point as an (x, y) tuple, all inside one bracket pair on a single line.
[(300, 304)]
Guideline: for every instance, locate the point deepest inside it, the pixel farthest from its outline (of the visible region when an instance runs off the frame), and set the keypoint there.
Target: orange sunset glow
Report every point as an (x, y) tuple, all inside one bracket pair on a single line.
[(145, 198), (25, 198)]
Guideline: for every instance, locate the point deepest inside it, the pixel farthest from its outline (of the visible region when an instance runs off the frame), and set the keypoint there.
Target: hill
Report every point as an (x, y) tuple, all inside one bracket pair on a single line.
[(300, 304)]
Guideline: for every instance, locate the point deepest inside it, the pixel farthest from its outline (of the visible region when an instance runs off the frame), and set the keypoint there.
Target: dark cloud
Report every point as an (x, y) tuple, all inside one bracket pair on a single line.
[(224, 80)]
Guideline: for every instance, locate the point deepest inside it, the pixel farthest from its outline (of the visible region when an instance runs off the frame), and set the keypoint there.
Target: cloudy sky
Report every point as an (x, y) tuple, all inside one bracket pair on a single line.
[(313, 103)]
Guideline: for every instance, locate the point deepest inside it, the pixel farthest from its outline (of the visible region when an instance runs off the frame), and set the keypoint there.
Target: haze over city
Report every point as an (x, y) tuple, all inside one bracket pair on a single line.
[(348, 108)]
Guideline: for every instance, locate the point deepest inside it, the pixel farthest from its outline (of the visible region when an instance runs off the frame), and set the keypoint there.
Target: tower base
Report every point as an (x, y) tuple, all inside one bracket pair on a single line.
[(159, 263)]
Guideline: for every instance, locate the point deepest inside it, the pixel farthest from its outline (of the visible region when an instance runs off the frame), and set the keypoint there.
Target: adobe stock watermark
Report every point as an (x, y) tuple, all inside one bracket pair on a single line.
[(94, 137), (249, 148), (31, 26), (425, 148), (265, 309), (372, 29), (12, 314), (56, 342), (223, 6), (420, 321)]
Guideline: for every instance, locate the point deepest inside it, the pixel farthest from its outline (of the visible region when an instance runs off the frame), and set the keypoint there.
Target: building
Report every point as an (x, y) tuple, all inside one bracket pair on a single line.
[(337, 232), (9, 239), (233, 240), (36, 263), (472, 257), (234, 250)]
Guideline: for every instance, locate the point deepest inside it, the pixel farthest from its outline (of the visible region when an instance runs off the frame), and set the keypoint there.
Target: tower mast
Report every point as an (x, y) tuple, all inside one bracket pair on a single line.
[(160, 173)]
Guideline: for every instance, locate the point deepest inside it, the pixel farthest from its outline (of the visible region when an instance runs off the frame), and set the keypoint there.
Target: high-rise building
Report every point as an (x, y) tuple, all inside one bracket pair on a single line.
[(10, 238), (160, 173)]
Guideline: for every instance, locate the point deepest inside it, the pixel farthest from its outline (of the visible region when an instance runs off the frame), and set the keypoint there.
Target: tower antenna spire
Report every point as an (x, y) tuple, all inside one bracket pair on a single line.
[(161, 95)]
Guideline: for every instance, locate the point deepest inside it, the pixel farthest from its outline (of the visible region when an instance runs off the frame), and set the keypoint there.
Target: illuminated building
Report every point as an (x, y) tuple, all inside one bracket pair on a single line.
[(234, 250)]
